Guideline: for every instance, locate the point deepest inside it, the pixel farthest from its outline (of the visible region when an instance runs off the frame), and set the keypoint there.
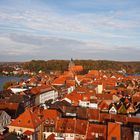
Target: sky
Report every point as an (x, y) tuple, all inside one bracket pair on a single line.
[(65, 29)]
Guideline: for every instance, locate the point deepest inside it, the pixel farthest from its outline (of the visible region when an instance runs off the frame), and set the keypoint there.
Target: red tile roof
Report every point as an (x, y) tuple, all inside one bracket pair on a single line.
[(130, 109), (77, 68), (28, 119), (70, 83), (50, 114), (104, 96), (10, 106), (119, 118), (104, 105), (133, 120), (28, 132), (80, 93), (114, 130), (51, 137), (94, 72), (127, 133), (105, 116), (59, 81), (68, 74), (96, 130), (136, 97), (93, 114), (81, 127), (86, 80), (40, 89), (68, 125), (65, 125)]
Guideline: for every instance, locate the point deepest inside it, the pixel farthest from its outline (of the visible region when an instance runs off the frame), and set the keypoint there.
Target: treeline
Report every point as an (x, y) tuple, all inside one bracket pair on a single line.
[(5, 68), (51, 65), (9, 66), (62, 65)]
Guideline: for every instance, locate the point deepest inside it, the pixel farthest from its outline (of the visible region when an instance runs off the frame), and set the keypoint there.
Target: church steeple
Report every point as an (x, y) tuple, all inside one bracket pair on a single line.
[(71, 64)]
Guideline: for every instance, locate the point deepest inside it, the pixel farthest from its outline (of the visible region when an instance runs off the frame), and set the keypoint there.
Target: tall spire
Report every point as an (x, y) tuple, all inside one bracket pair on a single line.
[(71, 64)]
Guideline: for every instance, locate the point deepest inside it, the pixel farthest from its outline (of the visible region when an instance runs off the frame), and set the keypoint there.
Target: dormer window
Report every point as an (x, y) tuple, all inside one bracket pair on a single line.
[(52, 122), (77, 136), (83, 137), (68, 128), (61, 128), (71, 135), (47, 121)]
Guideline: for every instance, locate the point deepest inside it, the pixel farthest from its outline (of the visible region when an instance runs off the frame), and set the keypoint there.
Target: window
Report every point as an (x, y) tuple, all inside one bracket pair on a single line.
[(113, 138), (61, 128), (52, 122), (77, 135), (50, 129), (66, 135), (71, 135), (68, 128), (83, 137), (47, 121), (60, 134)]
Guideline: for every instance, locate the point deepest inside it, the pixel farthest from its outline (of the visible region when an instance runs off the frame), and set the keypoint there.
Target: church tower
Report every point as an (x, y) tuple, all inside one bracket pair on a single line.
[(71, 64)]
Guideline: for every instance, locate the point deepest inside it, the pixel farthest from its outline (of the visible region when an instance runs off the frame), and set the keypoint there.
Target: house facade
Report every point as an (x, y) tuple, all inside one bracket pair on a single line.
[(44, 93), (5, 119), (29, 121)]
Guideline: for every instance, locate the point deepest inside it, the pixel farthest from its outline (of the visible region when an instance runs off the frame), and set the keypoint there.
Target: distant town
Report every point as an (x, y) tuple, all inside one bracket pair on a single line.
[(70, 104)]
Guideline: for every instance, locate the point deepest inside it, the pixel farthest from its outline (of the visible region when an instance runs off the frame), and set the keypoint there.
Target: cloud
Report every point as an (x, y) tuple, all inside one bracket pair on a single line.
[(104, 25), (45, 47), (11, 48), (50, 32), (37, 46)]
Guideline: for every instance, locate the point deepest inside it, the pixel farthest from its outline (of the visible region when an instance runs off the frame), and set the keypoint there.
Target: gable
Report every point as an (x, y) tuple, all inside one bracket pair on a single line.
[(122, 109), (112, 110), (27, 119), (130, 109)]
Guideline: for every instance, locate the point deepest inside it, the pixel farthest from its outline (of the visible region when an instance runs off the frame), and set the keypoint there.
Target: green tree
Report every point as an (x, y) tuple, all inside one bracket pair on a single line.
[(8, 84)]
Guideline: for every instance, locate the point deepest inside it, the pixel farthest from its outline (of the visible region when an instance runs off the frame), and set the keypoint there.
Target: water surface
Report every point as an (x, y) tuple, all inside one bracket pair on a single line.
[(4, 79)]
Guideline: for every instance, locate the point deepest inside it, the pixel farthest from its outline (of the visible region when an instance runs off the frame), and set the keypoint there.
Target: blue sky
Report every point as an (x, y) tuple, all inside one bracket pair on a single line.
[(61, 29)]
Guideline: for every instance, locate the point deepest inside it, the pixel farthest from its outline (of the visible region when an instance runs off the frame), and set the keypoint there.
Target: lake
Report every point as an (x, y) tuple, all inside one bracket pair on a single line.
[(4, 79)]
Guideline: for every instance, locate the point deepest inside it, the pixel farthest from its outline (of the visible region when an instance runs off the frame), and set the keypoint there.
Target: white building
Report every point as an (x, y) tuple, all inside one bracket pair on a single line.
[(99, 89), (44, 93), (88, 104), (18, 89), (52, 94)]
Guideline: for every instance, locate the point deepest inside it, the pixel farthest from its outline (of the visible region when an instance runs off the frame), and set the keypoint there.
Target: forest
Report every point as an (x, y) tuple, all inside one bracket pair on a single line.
[(62, 65)]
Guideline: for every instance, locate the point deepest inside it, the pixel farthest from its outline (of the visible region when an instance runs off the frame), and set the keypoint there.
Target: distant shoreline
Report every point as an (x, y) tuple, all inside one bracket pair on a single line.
[(5, 78)]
